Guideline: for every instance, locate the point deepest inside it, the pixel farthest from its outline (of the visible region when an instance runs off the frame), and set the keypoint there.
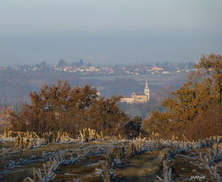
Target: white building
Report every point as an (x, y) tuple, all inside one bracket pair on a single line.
[(138, 98)]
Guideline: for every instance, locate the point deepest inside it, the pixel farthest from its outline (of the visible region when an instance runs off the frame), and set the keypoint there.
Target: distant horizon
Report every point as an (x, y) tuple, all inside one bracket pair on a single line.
[(105, 48), (95, 65), (109, 32)]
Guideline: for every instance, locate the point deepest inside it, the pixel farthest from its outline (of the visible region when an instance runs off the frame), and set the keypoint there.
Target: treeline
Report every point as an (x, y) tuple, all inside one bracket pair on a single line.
[(63, 108), (79, 63)]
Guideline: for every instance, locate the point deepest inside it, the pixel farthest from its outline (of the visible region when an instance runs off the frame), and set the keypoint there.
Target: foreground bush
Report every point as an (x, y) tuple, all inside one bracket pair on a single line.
[(194, 104), (66, 109), (207, 123)]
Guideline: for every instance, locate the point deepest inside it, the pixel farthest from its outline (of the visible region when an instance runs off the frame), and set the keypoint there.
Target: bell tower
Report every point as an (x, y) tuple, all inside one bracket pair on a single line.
[(147, 91)]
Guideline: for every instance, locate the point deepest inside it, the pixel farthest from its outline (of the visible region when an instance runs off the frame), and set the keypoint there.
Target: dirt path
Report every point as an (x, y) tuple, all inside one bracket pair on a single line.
[(140, 168)]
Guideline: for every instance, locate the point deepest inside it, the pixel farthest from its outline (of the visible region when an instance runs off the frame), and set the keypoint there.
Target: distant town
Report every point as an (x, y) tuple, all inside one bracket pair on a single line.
[(82, 69)]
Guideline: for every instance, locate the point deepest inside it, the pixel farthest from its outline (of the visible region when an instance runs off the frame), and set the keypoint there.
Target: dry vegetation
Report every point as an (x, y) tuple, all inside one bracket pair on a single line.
[(26, 157)]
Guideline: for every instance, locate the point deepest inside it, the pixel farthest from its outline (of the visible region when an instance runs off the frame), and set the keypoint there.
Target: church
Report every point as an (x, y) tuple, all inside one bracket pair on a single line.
[(138, 98)]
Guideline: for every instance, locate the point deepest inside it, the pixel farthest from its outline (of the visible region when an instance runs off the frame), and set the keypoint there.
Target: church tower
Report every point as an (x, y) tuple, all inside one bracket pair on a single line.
[(147, 91)]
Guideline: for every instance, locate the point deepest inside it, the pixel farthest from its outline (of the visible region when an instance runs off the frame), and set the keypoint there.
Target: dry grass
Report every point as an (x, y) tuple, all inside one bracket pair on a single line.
[(113, 159)]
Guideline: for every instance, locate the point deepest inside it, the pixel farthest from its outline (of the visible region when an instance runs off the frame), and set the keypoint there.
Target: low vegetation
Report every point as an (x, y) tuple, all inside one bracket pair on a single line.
[(96, 157)]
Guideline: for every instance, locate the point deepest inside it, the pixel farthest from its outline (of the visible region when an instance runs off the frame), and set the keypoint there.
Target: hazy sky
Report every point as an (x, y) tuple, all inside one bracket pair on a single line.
[(108, 32)]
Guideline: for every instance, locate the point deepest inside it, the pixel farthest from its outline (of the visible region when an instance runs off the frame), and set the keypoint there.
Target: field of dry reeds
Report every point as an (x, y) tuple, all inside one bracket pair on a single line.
[(96, 157)]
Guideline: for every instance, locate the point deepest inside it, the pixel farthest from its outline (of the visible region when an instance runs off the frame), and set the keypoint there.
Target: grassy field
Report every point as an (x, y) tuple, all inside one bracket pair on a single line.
[(113, 159), (136, 77), (151, 78)]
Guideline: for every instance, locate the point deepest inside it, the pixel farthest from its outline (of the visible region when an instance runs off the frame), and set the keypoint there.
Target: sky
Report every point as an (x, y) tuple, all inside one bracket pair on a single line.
[(108, 31)]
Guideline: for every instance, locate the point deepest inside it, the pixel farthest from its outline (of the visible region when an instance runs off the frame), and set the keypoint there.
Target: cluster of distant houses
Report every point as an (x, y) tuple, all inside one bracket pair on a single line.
[(85, 70)]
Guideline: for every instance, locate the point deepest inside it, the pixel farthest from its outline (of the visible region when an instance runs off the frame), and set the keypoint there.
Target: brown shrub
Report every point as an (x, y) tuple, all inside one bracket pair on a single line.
[(207, 123)]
